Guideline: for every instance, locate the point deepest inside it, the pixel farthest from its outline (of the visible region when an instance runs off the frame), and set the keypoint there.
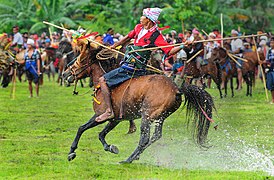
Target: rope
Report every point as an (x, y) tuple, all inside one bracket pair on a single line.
[(121, 108), (105, 54)]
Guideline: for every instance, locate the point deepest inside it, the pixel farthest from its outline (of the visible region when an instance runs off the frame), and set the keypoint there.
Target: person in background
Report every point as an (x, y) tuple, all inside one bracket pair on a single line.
[(236, 48), (270, 74), (25, 39), (189, 37), (108, 39), (247, 47), (17, 41), (32, 65)]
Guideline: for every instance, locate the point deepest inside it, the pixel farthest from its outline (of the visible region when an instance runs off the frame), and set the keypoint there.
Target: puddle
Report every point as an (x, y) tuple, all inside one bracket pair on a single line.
[(228, 153)]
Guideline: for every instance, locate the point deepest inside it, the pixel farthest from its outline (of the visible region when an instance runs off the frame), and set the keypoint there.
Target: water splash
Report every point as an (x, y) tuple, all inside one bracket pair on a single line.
[(229, 153)]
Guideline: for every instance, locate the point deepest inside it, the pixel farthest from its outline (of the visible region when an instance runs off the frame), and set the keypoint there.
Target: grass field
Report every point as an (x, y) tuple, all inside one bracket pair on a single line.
[(36, 134)]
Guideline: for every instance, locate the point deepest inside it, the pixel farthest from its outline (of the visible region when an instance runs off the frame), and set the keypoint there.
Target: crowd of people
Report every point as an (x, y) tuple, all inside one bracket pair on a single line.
[(33, 43)]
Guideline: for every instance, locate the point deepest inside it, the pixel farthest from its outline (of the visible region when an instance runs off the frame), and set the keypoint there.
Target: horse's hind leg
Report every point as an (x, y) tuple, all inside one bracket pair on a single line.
[(111, 148), (132, 127), (231, 85), (91, 123), (144, 140)]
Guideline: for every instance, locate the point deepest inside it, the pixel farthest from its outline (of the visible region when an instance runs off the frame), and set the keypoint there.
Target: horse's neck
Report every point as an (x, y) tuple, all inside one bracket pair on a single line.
[(97, 72)]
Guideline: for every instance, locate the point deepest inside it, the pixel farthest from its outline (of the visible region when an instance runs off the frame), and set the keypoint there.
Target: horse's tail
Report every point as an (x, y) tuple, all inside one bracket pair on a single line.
[(199, 105)]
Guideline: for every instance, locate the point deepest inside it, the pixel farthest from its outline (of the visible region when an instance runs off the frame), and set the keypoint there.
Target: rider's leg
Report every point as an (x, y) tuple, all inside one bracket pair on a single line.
[(240, 78), (108, 114)]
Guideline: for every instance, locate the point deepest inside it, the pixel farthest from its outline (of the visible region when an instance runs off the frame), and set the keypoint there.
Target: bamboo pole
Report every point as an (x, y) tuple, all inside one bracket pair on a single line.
[(50, 35), (222, 30), (12, 95), (238, 57), (266, 94), (194, 56), (174, 45), (205, 33), (234, 60)]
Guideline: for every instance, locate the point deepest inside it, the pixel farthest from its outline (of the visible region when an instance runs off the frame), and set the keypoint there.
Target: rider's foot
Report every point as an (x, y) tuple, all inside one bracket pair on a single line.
[(108, 114)]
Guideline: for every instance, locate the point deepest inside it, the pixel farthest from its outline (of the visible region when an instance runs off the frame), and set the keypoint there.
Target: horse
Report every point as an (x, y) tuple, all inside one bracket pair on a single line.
[(65, 54), (213, 70), (210, 68), (48, 56), (227, 66), (6, 68), (151, 97)]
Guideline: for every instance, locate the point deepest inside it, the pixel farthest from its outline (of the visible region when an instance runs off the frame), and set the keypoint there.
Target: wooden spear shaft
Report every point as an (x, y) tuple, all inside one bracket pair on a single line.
[(174, 45), (222, 30), (234, 59), (266, 94), (238, 57), (194, 56)]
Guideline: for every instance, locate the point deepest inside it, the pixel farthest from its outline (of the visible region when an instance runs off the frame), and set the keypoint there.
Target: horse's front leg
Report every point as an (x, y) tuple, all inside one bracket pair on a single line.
[(111, 148), (91, 123)]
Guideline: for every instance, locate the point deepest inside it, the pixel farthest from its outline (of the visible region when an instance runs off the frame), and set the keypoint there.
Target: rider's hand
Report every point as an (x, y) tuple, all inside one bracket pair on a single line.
[(114, 46)]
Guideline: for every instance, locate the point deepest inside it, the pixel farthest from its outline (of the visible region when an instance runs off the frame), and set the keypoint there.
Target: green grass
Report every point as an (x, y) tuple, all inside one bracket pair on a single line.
[(36, 134)]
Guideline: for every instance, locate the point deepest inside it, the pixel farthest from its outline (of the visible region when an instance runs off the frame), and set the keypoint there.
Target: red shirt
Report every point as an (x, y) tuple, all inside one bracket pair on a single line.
[(144, 41)]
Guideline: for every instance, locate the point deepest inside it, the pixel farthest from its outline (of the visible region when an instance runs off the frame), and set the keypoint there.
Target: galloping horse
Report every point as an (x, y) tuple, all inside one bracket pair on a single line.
[(151, 97)]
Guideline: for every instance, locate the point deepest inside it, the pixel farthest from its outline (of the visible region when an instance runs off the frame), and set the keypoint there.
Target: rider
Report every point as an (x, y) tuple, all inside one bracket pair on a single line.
[(237, 48), (146, 34)]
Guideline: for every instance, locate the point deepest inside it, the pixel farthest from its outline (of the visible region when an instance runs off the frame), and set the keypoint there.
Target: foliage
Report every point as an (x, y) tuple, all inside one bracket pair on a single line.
[(122, 15)]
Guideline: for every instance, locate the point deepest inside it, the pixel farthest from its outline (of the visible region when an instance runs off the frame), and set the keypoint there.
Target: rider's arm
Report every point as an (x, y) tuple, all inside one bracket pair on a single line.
[(121, 42)]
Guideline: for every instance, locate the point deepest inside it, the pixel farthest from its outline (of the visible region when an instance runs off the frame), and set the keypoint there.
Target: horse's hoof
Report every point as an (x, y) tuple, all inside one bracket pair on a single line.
[(71, 156), (113, 149), (131, 130), (124, 162)]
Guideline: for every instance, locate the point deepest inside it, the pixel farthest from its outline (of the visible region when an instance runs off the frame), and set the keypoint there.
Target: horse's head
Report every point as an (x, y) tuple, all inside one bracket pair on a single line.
[(63, 48), (4, 41), (81, 67), (218, 53), (5, 60)]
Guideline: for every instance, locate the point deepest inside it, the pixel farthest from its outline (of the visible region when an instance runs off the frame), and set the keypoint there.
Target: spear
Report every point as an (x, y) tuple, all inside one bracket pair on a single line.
[(266, 94), (179, 44)]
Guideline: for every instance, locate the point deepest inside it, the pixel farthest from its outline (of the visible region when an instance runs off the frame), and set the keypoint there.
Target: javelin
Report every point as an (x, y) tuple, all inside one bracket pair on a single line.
[(208, 40)]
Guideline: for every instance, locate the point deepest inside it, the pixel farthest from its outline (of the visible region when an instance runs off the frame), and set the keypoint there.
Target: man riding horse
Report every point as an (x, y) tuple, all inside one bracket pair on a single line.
[(146, 34)]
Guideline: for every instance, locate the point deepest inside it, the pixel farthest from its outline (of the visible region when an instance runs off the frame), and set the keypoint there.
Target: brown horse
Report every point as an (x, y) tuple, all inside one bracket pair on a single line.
[(227, 66), (212, 69), (152, 97), (249, 69)]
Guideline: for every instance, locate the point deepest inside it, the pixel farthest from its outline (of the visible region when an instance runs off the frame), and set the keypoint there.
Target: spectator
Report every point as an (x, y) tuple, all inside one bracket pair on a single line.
[(25, 39), (247, 47), (108, 39), (270, 73), (17, 41), (32, 65)]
